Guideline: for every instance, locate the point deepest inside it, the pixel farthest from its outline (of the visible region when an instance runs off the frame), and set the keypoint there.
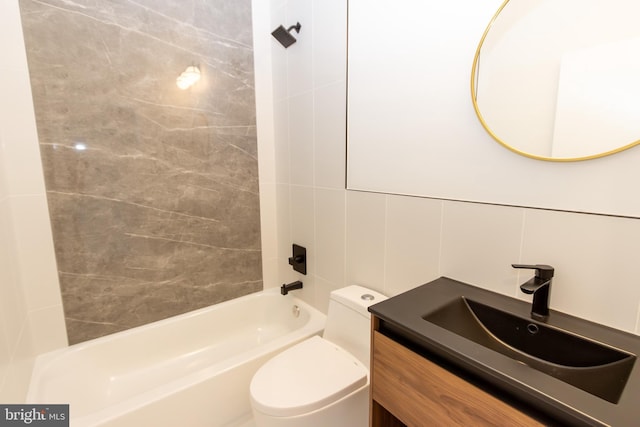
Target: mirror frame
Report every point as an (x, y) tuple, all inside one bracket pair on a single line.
[(474, 76)]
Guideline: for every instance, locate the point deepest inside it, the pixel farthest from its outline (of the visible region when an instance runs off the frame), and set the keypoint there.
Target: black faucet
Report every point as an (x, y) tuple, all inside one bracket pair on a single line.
[(540, 287), (284, 289)]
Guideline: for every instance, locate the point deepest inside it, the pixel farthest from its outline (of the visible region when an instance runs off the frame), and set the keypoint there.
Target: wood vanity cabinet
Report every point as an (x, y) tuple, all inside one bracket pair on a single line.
[(408, 389)]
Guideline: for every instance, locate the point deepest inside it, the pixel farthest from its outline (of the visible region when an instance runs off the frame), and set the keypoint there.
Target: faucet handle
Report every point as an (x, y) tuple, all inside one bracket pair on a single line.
[(543, 271)]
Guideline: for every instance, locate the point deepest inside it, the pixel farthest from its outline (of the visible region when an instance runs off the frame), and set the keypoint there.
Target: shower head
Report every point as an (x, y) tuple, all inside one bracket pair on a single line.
[(284, 35)]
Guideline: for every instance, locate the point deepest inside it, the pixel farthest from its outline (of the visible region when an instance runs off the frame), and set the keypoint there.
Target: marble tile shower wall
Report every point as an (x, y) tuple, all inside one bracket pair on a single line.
[(153, 191)]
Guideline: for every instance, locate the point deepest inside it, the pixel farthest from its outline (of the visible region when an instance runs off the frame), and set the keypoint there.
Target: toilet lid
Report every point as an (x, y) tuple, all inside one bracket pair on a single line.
[(306, 377)]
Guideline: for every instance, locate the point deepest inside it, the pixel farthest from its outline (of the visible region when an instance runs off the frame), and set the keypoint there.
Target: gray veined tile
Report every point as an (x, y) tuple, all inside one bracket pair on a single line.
[(152, 191)]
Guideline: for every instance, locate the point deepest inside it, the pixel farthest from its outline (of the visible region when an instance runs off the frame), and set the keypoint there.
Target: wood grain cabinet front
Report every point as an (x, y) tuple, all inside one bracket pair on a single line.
[(408, 389)]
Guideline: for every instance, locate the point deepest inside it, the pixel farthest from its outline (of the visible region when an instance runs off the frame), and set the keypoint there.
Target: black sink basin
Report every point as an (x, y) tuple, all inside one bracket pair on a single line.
[(596, 368), (563, 370)]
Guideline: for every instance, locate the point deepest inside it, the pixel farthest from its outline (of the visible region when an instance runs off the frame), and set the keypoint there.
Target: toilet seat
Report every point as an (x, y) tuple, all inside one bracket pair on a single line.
[(306, 377)]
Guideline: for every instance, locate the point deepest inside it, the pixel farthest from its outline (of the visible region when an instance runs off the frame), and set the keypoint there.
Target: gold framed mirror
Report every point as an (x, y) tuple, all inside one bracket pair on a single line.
[(559, 80)]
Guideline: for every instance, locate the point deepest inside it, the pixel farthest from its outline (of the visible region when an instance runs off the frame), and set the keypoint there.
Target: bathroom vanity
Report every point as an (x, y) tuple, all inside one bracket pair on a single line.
[(408, 386), (448, 353)]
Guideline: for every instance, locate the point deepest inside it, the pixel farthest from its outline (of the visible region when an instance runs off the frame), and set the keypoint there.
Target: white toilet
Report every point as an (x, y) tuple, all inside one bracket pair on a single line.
[(324, 381)]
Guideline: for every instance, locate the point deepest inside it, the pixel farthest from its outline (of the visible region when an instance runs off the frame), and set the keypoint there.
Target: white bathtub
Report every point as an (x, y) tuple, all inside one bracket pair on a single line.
[(190, 370)]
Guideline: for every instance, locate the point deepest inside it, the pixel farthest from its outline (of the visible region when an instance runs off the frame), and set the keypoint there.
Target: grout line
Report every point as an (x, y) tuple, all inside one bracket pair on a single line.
[(441, 237), (345, 246), (385, 245), (521, 252)]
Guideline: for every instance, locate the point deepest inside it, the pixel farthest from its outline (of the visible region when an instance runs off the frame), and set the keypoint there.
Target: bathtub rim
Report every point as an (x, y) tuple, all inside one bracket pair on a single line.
[(50, 355), (314, 326)]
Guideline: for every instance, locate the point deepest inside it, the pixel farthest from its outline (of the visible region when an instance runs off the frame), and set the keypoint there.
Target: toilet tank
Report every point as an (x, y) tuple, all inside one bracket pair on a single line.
[(349, 322)]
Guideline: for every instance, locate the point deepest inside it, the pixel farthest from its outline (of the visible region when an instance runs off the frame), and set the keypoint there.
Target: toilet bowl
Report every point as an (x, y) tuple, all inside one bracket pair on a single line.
[(322, 381)]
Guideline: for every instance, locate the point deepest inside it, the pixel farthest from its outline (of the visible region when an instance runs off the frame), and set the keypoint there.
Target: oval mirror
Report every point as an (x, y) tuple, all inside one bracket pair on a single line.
[(559, 80)]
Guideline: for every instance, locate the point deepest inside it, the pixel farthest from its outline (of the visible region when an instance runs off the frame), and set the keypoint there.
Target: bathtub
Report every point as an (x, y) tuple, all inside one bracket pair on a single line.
[(190, 370)]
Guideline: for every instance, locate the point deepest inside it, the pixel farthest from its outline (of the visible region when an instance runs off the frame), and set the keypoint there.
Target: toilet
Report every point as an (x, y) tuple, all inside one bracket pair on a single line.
[(322, 381)]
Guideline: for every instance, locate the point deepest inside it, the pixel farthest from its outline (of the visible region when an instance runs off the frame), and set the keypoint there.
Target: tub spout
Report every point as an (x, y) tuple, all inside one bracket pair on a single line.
[(284, 289)]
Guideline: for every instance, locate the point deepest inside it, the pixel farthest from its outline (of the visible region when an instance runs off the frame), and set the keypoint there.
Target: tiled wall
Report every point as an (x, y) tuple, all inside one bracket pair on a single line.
[(31, 319), (394, 243), (153, 190)]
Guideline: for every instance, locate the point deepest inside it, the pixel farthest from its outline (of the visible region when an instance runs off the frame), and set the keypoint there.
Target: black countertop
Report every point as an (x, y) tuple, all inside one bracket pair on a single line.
[(402, 318)]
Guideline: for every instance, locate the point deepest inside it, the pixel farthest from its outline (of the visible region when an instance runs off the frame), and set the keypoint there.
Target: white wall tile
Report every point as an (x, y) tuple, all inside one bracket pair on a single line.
[(18, 376), (330, 122), (281, 150), (301, 133), (48, 329), (5, 353), (263, 71), (308, 293), (266, 125), (278, 55), (35, 248), (323, 290), (268, 219), (279, 67), (20, 141), (4, 189), (269, 233), (303, 222), (266, 158), (283, 200), (299, 54), (270, 273), (479, 244), (12, 42), (596, 260), (412, 242), (329, 41), (302, 233), (13, 310), (298, 227), (276, 4), (365, 239), (18, 130), (330, 236), (18, 175)]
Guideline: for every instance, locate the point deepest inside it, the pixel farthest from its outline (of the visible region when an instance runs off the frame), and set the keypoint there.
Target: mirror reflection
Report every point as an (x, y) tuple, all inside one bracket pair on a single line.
[(560, 79)]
